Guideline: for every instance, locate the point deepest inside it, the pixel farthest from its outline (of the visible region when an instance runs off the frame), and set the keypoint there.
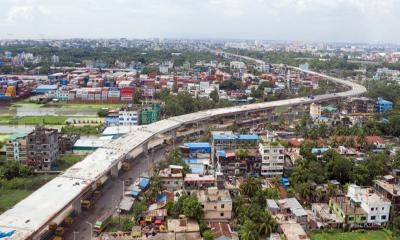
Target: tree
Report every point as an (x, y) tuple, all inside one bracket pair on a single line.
[(396, 227), (214, 95), (208, 235), (250, 186), (189, 206), (249, 231), (102, 113), (137, 95), (164, 93), (338, 167)]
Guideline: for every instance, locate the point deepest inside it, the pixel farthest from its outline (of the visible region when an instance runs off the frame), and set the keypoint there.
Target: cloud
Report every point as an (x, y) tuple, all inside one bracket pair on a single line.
[(309, 20)]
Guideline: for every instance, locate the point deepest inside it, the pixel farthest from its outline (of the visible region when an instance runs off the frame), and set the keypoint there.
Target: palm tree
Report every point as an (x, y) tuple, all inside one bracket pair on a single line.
[(248, 231), (268, 225), (250, 187)]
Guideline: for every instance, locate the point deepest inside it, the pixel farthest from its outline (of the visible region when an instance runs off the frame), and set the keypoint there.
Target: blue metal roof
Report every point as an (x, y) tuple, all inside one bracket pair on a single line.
[(112, 120), (190, 160), (221, 153), (217, 136), (319, 150), (197, 168), (144, 183), (197, 145), (47, 87)]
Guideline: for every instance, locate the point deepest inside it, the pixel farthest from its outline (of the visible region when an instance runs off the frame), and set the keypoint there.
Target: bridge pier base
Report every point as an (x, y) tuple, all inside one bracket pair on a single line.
[(145, 147), (77, 206), (114, 171)]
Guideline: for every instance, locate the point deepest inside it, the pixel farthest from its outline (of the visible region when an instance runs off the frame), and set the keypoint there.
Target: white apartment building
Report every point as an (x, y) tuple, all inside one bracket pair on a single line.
[(237, 65), (315, 110), (128, 117), (377, 208), (273, 159)]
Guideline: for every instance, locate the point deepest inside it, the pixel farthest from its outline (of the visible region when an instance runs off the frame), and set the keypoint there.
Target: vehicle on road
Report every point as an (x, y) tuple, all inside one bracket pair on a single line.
[(102, 223)]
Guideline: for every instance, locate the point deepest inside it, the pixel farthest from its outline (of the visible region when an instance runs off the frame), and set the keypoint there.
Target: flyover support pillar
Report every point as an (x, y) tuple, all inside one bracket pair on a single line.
[(114, 170), (77, 206), (145, 147)]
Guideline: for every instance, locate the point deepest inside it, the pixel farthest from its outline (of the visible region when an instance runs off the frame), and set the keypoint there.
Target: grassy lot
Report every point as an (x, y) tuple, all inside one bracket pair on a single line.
[(9, 198), (367, 235), (67, 160), (26, 105), (4, 136), (33, 120), (13, 191)]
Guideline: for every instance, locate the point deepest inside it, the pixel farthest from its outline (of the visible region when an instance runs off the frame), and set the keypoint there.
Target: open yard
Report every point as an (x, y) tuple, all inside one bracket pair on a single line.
[(13, 191), (33, 120), (367, 235)]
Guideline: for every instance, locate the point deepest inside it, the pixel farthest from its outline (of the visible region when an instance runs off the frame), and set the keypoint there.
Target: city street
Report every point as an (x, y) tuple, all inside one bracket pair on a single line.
[(112, 194)]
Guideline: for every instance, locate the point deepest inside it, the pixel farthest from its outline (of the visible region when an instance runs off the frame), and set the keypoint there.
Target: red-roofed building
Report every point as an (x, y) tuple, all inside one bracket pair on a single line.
[(222, 231), (377, 141)]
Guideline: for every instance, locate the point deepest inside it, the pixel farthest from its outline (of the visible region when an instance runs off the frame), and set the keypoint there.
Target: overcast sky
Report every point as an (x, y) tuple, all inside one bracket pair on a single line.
[(304, 20)]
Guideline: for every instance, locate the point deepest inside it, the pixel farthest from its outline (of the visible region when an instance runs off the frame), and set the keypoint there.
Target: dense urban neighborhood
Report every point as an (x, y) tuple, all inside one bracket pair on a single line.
[(199, 139)]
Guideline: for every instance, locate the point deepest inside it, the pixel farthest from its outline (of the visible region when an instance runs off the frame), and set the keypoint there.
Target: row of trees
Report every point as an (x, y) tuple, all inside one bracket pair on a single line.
[(309, 171), (253, 218), (184, 103)]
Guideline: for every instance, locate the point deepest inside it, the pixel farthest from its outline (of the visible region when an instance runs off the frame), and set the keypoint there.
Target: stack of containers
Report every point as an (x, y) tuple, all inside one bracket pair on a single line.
[(114, 95), (85, 94), (127, 94), (104, 93), (71, 95), (90, 95), (97, 94)]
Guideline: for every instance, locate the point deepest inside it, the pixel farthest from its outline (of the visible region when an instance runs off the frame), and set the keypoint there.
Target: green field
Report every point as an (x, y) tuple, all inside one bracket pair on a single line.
[(27, 104), (367, 235), (13, 191), (9, 198), (33, 120)]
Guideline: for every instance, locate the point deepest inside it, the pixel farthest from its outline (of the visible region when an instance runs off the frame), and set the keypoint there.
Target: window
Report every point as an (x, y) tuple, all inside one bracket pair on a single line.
[(373, 217), (372, 209), (363, 218), (351, 218), (221, 214), (383, 208), (222, 205), (383, 217)]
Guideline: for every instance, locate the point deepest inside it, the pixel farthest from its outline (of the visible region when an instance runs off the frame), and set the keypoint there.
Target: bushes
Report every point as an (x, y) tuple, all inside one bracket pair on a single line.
[(85, 130)]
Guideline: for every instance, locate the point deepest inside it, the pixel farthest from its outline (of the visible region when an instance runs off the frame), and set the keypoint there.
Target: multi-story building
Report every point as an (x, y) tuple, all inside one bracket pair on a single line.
[(376, 207), (288, 210), (383, 105), (348, 212), (128, 116), (357, 105), (217, 204), (272, 159), (315, 110), (235, 154), (172, 178), (16, 148), (43, 148), (150, 114), (389, 188), (361, 207)]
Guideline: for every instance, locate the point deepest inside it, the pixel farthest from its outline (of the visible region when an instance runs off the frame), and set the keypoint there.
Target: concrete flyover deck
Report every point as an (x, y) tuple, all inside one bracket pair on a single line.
[(59, 197)]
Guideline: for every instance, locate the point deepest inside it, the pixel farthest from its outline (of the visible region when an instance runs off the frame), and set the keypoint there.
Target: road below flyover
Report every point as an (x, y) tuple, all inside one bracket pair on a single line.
[(112, 193)]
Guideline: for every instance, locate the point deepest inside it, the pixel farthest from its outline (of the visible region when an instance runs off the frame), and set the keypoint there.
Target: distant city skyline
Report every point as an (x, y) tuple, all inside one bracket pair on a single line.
[(372, 21)]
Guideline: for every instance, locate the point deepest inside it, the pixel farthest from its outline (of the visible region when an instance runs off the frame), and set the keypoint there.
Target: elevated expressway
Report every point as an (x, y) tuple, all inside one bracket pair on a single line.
[(54, 201)]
